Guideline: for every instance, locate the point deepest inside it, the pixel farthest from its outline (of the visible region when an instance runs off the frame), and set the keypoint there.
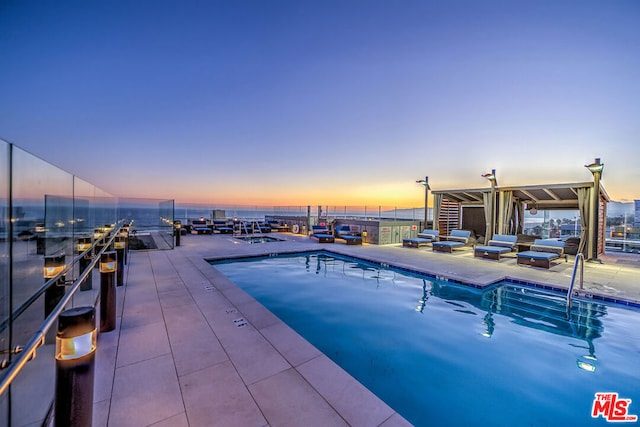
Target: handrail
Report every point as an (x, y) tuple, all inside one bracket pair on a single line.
[(38, 338), (579, 262)]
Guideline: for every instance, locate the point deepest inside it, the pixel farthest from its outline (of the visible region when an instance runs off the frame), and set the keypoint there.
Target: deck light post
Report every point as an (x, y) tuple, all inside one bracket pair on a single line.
[(53, 266), (425, 182), (596, 169), (120, 246), (84, 243), (494, 181), (75, 361), (124, 233), (108, 268), (177, 229)]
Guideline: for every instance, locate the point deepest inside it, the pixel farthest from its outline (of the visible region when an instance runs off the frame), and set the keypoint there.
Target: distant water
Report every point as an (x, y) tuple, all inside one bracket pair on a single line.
[(258, 213)]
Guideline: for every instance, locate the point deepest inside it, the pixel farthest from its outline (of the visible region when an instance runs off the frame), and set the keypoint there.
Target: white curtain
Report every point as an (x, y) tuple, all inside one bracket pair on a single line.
[(488, 215), (437, 201), (584, 197)]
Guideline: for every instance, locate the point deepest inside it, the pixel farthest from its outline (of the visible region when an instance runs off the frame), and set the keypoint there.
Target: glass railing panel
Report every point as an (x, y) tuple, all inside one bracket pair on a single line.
[(152, 222), (84, 213), (42, 230), (5, 307)]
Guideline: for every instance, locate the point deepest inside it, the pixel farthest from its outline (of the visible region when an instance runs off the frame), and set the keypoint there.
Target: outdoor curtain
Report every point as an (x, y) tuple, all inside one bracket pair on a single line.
[(437, 202), (520, 218), (488, 215), (506, 209), (584, 195)]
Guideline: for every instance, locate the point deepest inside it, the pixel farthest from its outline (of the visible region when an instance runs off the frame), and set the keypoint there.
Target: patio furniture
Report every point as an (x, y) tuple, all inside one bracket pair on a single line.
[(455, 239), (542, 252), (500, 244)]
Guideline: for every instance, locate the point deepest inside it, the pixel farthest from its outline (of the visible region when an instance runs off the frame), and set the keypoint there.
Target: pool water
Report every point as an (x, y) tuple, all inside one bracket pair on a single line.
[(441, 353)]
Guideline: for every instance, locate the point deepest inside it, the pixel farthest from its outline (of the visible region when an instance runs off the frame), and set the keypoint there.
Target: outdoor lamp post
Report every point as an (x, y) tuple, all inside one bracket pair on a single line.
[(596, 169), (425, 182), (53, 266), (494, 181), (120, 246), (108, 267), (177, 229), (124, 234), (75, 361), (84, 243)]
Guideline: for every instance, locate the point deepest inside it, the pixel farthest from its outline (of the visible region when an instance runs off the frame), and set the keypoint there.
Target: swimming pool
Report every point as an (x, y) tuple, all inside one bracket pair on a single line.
[(442, 353)]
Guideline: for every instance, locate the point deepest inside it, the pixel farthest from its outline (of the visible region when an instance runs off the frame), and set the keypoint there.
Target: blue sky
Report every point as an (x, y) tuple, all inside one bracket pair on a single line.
[(330, 102)]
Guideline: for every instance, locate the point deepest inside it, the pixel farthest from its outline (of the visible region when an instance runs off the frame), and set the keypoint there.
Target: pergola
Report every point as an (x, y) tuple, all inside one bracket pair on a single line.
[(504, 208)]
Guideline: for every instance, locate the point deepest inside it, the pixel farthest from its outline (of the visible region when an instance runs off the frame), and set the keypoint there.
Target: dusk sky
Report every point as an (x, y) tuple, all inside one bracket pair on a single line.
[(323, 102)]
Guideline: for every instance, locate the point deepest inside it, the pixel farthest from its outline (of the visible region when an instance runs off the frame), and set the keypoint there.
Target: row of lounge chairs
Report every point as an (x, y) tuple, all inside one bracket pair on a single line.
[(540, 254), (201, 226)]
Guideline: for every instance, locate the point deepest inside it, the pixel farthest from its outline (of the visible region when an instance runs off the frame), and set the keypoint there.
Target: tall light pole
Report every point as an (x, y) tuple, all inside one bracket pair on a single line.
[(492, 178), (425, 182), (596, 169)]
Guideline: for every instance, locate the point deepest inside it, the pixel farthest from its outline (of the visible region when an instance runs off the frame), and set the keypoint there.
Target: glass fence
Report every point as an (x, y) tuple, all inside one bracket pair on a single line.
[(44, 214)]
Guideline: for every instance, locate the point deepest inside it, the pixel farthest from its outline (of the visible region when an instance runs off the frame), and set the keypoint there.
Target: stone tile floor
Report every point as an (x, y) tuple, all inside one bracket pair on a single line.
[(180, 356)]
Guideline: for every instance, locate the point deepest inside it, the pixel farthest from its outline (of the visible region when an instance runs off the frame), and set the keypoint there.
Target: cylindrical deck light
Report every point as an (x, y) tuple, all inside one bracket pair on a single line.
[(177, 229), (98, 234), (124, 233), (84, 243), (120, 245), (53, 266), (108, 268), (75, 361)]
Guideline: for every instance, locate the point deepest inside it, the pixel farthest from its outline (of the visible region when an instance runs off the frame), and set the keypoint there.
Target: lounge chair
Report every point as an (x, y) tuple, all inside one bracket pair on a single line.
[(499, 245), (455, 239), (277, 226), (322, 234), (425, 238), (350, 237), (542, 252), (429, 234), (199, 226), (221, 227)]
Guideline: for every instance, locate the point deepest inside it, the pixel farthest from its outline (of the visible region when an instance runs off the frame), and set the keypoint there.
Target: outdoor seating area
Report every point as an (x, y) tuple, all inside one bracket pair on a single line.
[(542, 252), (500, 244)]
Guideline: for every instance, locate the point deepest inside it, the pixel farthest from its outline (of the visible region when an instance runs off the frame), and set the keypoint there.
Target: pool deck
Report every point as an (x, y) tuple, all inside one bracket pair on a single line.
[(192, 349)]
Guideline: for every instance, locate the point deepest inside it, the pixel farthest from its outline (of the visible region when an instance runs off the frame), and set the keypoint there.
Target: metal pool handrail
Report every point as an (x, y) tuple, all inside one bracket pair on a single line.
[(37, 339), (579, 262)]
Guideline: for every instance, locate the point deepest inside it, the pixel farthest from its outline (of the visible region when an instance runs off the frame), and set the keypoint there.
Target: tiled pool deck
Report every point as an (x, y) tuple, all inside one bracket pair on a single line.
[(179, 356)]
